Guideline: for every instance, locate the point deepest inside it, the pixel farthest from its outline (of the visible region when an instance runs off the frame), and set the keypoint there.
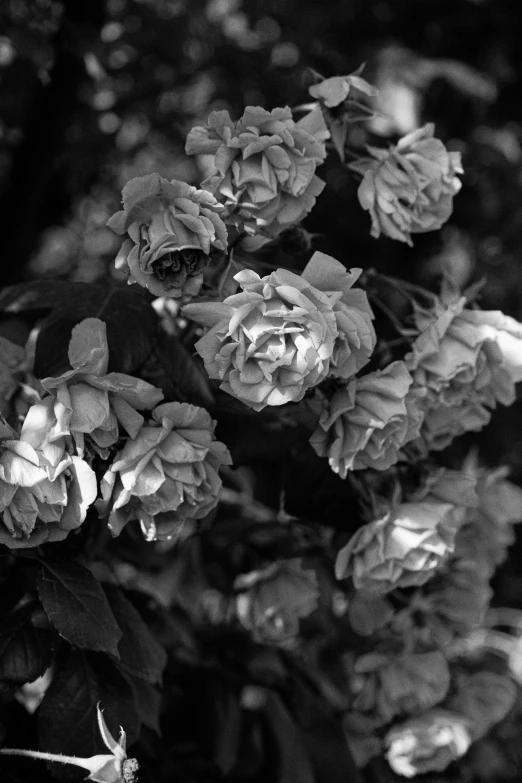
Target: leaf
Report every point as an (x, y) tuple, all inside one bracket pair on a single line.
[(25, 651), (313, 491), (76, 605), (263, 435), (141, 655), (188, 381), (148, 703), (131, 329), (67, 717)]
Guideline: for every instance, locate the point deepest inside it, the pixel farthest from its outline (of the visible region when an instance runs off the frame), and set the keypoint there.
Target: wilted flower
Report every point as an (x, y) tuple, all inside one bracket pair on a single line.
[(40, 501), (408, 189), (366, 424), (271, 601), (356, 339), (462, 369), (88, 400), (408, 545), (265, 165), (270, 343), (389, 685), (109, 768), (427, 743), (173, 228), (167, 473)]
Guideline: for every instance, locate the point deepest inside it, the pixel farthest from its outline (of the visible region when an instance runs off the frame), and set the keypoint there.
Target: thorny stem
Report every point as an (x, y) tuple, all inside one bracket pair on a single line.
[(36, 754), (387, 312)]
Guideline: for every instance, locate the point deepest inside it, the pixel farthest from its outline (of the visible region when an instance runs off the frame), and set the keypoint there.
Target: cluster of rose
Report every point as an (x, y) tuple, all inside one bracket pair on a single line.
[(414, 579)]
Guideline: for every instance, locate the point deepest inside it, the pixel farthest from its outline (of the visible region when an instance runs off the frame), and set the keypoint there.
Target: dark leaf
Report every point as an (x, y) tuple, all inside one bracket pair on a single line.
[(187, 380), (313, 491), (25, 651), (140, 654), (148, 703), (131, 328), (76, 605), (67, 721), (265, 435)]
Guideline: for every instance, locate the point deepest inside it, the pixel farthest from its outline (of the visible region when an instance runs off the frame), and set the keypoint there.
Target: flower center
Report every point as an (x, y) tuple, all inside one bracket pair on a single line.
[(174, 267)]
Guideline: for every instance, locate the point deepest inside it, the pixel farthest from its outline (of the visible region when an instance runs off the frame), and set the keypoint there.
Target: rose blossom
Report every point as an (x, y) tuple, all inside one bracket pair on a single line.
[(172, 230), (427, 743), (366, 424), (356, 339), (40, 502), (264, 165), (271, 601), (462, 369), (409, 544), (167, 473), (408, 189), (269, 343), (88, 400), (386, 685)]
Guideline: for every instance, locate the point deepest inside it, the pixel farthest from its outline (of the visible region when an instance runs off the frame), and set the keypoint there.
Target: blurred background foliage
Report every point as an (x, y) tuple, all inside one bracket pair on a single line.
[(95, 92)]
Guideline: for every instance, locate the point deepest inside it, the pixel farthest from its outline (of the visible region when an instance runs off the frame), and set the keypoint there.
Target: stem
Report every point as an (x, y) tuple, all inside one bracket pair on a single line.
[(387, 312), (36, 754)]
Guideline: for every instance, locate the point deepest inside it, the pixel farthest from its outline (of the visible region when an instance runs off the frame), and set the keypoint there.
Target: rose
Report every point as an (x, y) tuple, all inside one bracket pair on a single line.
[(409, 544), (172, 229), (505, 331), (270, 343), (387, 685), (409, 188), (427, 743), (265, 165), (40, 502), (366, 424), (462, 369), (167, 473), (87, 399), (270, 601), (484, 698), (356, 336)]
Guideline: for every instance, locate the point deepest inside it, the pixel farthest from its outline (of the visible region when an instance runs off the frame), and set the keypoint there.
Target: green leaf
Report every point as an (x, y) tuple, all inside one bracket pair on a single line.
[(76, 605), (25, 651), (141, 655), (131, 329), (67, 717), (187, 381)]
